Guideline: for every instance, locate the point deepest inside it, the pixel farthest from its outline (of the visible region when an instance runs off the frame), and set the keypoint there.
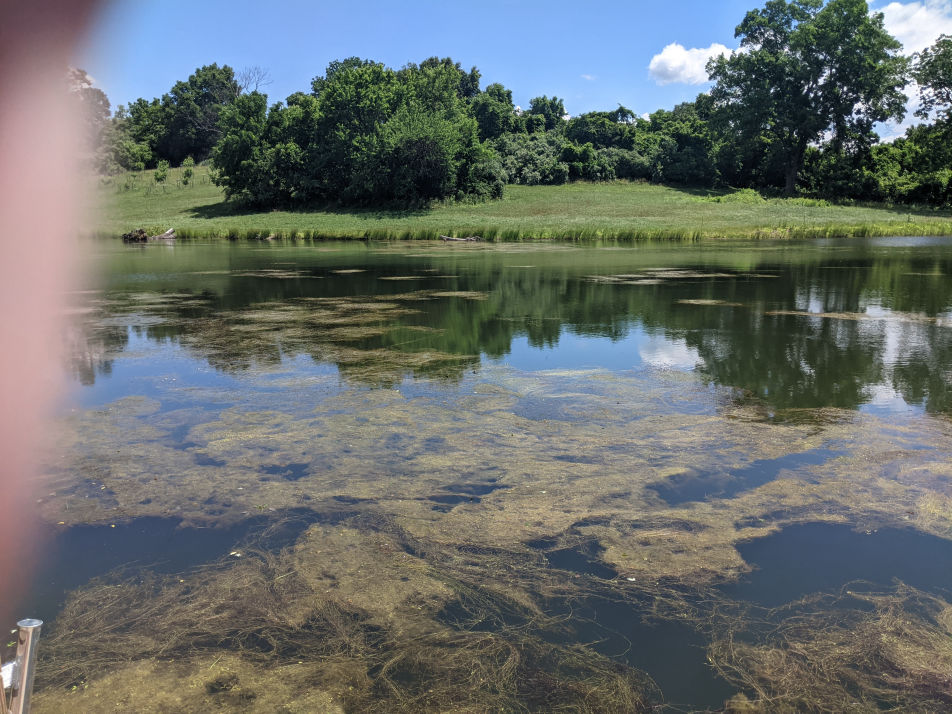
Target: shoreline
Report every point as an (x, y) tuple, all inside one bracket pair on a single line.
[(619, 212), (793, 233)]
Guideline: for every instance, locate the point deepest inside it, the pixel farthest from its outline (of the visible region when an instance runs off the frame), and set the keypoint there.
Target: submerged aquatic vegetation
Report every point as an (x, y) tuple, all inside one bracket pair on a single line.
[(364, 336), (424, 521), (345, 620), (477, 523), (859, 650), (598, 455)]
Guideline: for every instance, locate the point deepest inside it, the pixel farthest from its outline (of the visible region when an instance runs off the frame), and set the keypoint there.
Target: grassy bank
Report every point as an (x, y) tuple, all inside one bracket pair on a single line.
[(581, 211)]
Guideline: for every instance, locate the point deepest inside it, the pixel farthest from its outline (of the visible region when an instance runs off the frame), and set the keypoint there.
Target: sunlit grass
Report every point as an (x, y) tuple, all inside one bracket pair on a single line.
[(578, 211)]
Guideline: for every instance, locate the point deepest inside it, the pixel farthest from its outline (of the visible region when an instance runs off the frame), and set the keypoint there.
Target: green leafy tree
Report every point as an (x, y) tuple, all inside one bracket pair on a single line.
[(319, 82), (626, 163), (585, 162), (426, 149), (551, 110), (293, 150), (494, 112), (354, 103), (482, 176), (188, 171), (916, 168), (417, 161), (92, 109), (191, 110), (603, 129), (184, 122), (129, 155), (533, 123), (806, 69), (120, 151), (933, 73), (161, 171), (467, 83), (237, 157), (532, 159), (685, 152), (146, 126)]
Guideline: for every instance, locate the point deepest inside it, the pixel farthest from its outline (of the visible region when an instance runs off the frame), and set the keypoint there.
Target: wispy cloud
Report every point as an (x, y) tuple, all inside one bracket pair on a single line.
[(675, 63), (588, 77)]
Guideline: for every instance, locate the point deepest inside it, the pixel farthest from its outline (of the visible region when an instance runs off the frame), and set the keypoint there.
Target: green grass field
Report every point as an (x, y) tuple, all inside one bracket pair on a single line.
[(579, 211)]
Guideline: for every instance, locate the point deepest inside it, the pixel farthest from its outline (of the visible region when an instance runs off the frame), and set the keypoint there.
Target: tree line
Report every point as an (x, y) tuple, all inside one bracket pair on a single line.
[(794, 110)]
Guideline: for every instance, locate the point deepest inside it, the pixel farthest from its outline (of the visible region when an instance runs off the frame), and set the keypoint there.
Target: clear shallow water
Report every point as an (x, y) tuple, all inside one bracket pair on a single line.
[(823, 557), (600, 435)]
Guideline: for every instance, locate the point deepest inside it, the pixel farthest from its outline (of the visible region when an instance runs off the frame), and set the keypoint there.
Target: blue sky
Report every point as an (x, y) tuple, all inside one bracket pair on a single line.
[(645, 55)]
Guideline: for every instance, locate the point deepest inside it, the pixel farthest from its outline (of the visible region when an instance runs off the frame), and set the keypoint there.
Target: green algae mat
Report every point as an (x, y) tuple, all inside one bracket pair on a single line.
[(417, 477)]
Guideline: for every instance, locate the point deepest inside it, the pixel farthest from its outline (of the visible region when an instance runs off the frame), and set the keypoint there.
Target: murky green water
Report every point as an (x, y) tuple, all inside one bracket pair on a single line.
[(418, 477)]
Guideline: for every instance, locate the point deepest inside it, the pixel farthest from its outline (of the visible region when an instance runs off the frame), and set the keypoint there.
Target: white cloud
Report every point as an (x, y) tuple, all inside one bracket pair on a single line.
[(918, 24), (588, 77), (677, 64)]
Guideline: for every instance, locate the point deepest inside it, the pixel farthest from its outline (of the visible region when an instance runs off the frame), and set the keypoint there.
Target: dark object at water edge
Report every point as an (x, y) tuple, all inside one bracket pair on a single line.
[(140, 236), (468, 239)]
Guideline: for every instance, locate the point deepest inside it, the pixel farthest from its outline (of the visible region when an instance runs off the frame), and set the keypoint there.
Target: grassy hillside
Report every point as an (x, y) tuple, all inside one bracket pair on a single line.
[(574, 211)]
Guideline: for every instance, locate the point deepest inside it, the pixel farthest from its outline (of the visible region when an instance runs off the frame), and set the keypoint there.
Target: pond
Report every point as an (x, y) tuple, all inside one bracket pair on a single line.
[(409, 476)]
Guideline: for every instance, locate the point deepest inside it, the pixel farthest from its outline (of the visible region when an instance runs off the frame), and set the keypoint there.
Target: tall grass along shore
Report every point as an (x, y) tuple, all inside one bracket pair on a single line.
[(578, 211)]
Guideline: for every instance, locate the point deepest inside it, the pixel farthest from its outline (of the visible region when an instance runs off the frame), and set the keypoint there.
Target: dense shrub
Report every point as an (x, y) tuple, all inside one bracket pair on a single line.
[(532, 159)]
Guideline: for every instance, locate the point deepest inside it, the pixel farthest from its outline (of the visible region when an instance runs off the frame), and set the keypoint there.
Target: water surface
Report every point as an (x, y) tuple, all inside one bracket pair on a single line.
[(601, 457)]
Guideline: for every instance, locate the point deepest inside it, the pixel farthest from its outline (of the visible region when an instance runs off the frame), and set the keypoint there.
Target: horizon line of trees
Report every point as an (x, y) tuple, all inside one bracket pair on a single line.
[(793, 111)]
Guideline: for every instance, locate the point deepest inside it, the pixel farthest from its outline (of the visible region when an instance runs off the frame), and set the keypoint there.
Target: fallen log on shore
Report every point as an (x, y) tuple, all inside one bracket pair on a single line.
[(468, 239), (140, 236)]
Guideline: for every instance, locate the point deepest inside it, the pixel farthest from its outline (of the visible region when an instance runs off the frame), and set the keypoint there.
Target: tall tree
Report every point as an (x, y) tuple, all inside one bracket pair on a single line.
[(933, 73), (353, 103), (191, 112), (146, 126), (237, 155), (805, 70), (93, 104), (467, 83), (685, 150), (603, 129), (494, 112), (551, 110), (320, 82)]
